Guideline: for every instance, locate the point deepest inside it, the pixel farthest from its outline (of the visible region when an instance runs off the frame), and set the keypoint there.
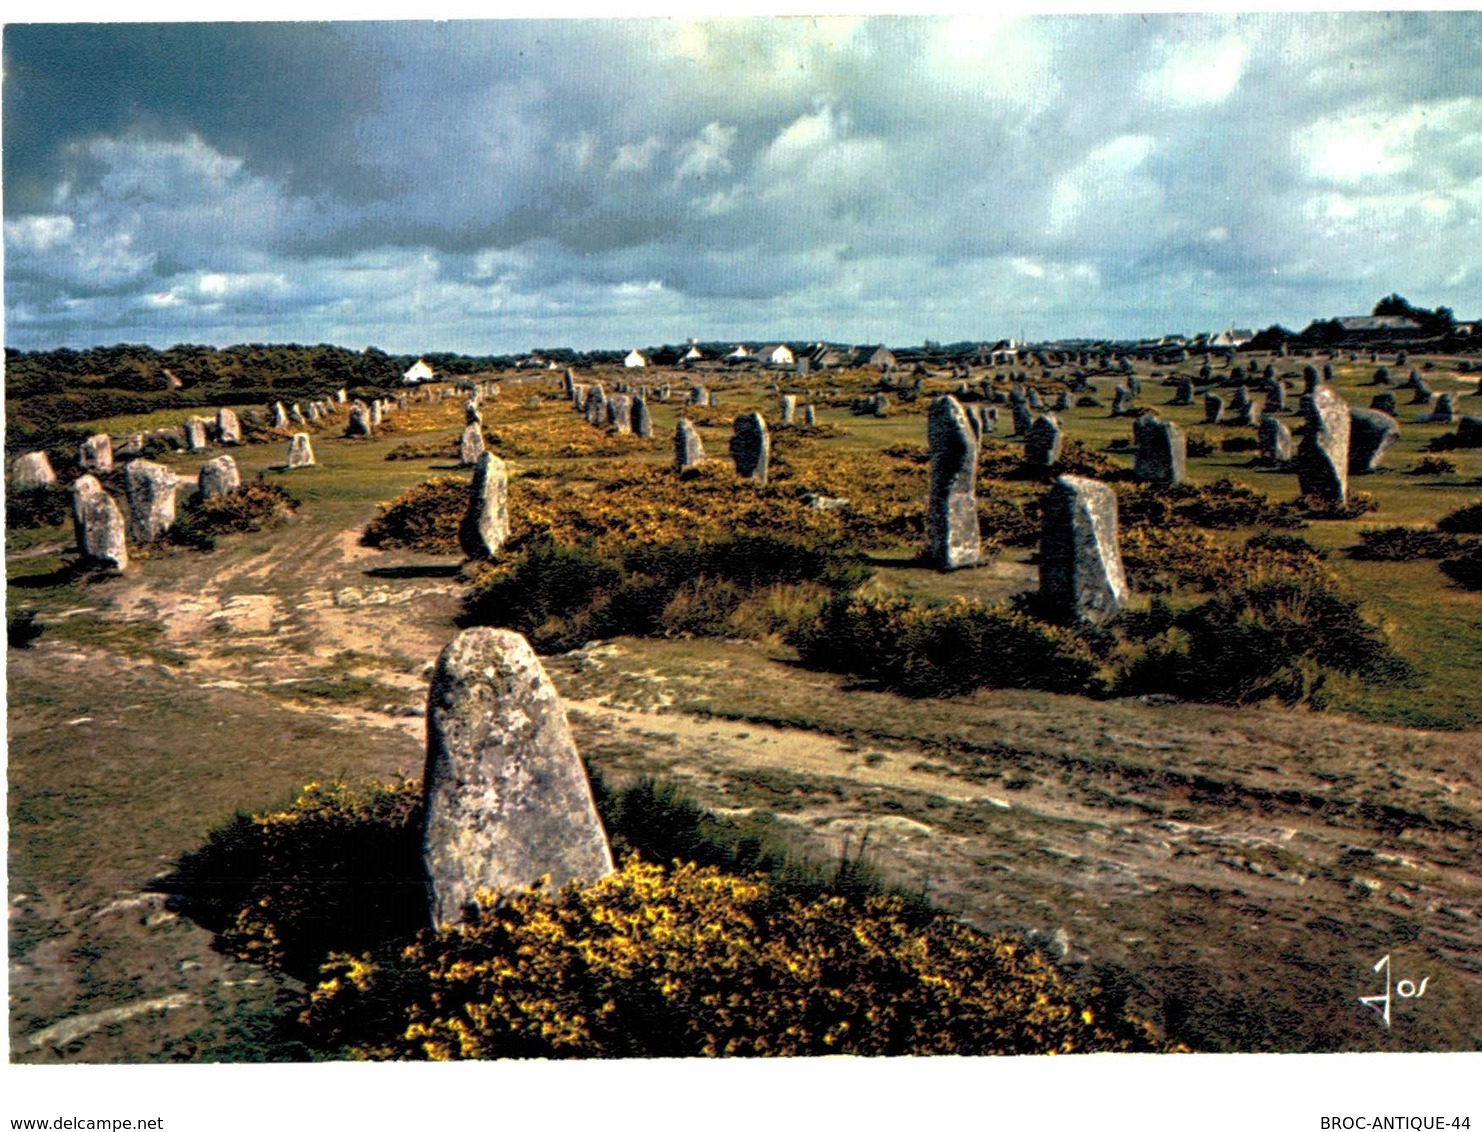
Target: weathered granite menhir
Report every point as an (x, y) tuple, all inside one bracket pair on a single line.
[(98, 525), (506, 800), (689, 453), (470, 446), (751, 447), (1080, 572), (1370, 435), (1043, 441), (485, 526), (218, 477), (300, 451), (150, 489), (1322, 457), (952, 537), (1161, 450)]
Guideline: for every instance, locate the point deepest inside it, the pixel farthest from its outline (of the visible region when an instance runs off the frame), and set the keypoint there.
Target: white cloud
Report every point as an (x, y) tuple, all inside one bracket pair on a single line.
[(38, 233), (706, 155), (1348, 148), (636, 157), (1197, 74)]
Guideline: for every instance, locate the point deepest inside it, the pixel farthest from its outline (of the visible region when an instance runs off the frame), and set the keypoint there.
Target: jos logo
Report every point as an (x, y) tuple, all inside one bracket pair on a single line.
[(1405, 988)]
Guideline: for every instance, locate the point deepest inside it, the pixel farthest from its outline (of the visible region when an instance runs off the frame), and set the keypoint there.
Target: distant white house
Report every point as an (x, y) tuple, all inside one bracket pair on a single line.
[(635, 360), (419, 373), (693, 354), (777, 356), (738, 354), (1232, 337)]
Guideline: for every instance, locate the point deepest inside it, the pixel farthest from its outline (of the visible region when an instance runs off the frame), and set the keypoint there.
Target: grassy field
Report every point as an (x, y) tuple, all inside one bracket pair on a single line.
[(1232, 873)]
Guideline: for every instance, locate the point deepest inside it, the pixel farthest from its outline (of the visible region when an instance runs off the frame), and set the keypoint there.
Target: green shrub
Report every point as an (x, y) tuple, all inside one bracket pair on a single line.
[(689, 962), (1403, 544)]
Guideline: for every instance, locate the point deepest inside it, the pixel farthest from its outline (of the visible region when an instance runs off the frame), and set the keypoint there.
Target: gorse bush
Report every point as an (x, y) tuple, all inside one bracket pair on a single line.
[(1463, 521), (255, 506), (943, 650), (338, 869), (1465, 568), (561, 597), (1403, 544), (1275, 639), (1161, 559), (655, 962), (424, 517), (38, 507)]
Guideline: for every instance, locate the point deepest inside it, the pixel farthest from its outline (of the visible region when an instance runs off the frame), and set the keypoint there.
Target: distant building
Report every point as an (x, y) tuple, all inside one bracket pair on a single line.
[(635, 360), (693, 353), (1232, 338), (419, 373), (776, 356), (740, 353), (881, 358)]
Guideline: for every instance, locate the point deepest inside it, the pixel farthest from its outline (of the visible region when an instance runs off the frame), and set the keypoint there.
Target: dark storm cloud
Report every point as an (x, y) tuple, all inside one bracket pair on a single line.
[(497, 184)]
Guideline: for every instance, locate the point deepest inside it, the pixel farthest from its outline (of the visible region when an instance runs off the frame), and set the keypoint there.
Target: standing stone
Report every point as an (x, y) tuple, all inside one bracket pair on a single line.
[(1184, 391), (150, 489), (688, 451), (1244, 409), (1422, 394), (280, 415), (1036, 403), (789, 407), (485, 526), (300, 451), (1023, 418), (642, 419), (195, 434), (620, 412), (882, 405), (401, 404), (1311, 379), (470, 446), (1161, 450), (1080, 573), (32, 471), (359, 423), (596, 407), (987, 419), (751, 447), (1043, 441), (1275, 440), (579, 397), (1384, 403), (95, 454), (568, 382), (699, 395), (1468, 432), (314, 412), (505, 798), (810, 416), (1370, 435), (1322, 457), (98, 525), (952, 537), (218, 477), (377, 415), (1381, 376), (296, 415), (1444, 410), (471, 414), (341, 396), (1062, 401), (1121, 401), (228, 428), (1275, 398), (1214, 408)]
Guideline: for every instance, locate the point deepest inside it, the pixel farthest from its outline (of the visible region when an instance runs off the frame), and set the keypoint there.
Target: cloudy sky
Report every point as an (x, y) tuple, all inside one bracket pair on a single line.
[(500, 186)]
